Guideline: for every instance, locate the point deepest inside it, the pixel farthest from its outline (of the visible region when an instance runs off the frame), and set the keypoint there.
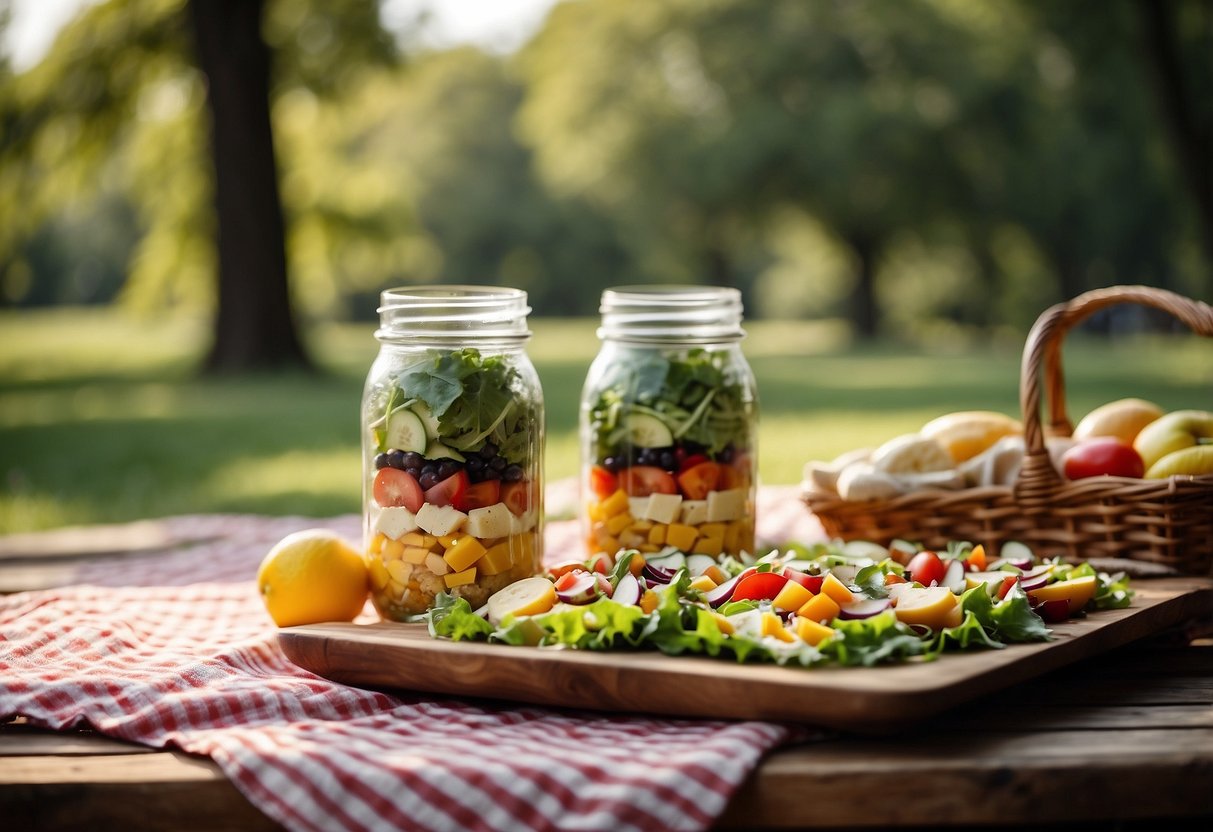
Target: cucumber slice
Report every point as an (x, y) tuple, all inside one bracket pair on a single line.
[(437, 450), (405, 431), (427, 418), (645, 431)]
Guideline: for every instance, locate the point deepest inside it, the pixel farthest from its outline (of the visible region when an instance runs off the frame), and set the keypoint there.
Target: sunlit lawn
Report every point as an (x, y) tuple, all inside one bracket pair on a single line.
[(102, 419)]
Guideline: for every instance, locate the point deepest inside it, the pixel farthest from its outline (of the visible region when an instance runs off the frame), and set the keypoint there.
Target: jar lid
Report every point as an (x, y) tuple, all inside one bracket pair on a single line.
[(664, 313), (453, 312)]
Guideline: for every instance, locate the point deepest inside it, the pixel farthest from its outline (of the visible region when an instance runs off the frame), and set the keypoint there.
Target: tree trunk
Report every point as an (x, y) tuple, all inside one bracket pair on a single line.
[(1192, 149), (254, 327), (864, 315)]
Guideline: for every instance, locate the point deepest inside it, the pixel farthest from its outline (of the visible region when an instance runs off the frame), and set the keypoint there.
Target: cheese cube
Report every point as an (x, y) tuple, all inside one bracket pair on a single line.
[(489, 522), (523, 524), (724, 506), (637, 506), (440, 520), (436, 564), (694, 512), (662, 508), (395, 521)]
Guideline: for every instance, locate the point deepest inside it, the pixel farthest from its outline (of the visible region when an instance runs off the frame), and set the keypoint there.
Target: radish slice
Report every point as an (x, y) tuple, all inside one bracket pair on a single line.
[(1016, 552), (721, 594), (672, 561), (582, 591), (954, 577), (659, 573), (1034, 583), (698, 564), (627, 591), (865, 608)]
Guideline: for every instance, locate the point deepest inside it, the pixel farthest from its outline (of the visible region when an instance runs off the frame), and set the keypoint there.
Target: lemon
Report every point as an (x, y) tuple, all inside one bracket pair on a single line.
[(312, 576)]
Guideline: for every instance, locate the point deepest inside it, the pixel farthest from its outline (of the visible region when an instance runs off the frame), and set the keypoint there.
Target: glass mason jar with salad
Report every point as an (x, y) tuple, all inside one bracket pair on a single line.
[(452, 437), (669, 425)]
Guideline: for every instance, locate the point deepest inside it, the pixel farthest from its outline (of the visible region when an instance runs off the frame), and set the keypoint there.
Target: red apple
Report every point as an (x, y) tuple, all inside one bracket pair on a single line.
[(1102, 455)]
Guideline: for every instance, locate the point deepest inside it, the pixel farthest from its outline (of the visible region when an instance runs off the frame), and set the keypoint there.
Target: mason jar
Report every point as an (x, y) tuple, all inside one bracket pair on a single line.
[(452, 439), (669, 425)]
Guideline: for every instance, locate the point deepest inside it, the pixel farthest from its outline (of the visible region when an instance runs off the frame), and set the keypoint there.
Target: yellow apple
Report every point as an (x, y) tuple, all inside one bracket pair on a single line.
[(1123, 418), (1173, 432), (1196, 461)]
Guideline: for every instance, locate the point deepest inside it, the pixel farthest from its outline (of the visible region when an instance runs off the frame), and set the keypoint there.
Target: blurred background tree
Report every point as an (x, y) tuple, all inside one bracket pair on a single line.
[(910, 167)]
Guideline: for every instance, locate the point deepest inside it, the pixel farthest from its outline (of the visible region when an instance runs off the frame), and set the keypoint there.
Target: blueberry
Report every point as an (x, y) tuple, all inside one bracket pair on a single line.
[(380, 461), (498, 463), (430, 468), (393, 459), (488, 451), (412, 459), (428, 480), (490, 474), (475, 465), (447, 468), (667, 461), (415, 471), (726, 456), (512, 474)]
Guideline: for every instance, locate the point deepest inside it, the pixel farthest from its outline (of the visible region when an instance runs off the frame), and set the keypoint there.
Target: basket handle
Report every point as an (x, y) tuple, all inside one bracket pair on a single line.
[(1037, 478)]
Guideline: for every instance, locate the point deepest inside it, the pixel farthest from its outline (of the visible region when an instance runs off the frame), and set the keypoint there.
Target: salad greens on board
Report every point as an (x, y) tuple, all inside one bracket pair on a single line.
[(874, 609)]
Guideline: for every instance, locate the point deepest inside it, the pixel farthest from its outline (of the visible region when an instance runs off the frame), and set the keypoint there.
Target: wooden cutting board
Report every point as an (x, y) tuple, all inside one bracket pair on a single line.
[(869, 700)]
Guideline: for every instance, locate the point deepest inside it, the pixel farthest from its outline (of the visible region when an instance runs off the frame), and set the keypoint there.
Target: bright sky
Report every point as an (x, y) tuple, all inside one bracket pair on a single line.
[(495, 24)]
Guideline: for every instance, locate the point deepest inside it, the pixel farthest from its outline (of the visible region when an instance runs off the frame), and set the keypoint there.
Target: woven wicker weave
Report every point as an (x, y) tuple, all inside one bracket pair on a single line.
[(1168, 522)]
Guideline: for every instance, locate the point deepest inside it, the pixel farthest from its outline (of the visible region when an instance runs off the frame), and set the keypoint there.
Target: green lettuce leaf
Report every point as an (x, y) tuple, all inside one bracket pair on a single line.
[(453, 618), (869, 641)]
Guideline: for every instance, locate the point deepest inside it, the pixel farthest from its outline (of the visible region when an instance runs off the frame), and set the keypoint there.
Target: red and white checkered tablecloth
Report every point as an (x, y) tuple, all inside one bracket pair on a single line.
[(177, 651)]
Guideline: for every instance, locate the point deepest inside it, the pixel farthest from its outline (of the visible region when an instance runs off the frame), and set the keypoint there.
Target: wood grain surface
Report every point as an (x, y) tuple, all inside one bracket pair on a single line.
[(868, 700)]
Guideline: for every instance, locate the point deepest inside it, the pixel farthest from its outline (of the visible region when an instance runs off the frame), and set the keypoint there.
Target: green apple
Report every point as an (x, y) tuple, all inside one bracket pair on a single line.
[(1173, 432)]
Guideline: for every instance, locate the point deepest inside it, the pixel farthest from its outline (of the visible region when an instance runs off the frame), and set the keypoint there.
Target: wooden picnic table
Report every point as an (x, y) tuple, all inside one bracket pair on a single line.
[(1122, 740)]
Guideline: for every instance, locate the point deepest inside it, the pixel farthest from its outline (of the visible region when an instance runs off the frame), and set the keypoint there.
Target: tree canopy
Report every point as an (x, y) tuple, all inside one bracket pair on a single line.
[(893, 163)]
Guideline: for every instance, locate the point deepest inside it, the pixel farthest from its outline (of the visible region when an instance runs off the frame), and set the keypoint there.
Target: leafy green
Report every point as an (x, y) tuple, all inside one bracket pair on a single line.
[(1111, 591), (453, 618), (475, 398), (870, 641), (870, 581), (1009, 620), (698, 395)]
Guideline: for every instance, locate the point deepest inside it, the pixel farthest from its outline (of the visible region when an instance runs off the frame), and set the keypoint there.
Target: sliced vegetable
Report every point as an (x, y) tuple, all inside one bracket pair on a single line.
[(393, 487)]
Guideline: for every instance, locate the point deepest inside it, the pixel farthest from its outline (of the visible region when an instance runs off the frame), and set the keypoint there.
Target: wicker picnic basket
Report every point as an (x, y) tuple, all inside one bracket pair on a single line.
[(1167, 522)]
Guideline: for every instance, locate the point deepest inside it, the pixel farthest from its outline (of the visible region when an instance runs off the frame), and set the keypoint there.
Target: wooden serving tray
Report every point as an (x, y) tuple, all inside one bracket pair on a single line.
[(869, 700)]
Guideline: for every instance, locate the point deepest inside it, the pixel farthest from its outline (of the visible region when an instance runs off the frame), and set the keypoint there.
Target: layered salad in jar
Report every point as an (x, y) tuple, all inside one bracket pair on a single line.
[(453, 493), (669, 440)]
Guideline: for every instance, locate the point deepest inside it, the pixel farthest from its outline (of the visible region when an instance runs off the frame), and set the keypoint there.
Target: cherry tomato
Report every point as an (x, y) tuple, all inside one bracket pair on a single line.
[(643, 480), (691, 461), (761, 586), (394, 487), (810, 582), (450, 491), (1102, 455), (517, 497), (698, 480), (602, 482), (481, 494), (926, 568), (1005, 587), (601, 563)]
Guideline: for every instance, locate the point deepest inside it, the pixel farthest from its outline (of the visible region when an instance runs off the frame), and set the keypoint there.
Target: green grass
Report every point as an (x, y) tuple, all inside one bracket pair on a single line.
[(103, 420)]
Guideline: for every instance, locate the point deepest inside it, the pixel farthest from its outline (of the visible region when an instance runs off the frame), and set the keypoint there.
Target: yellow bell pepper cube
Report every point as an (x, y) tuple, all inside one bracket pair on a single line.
[(400, 571), (681, 537), (496, 559), (821, 608), (811, 632), (708, 545), (422, 541), (379, 573), (703, 583), (617, 503), (657, 534), (415, 555), (723, 623), (465, 551), (717, 574), (392, 550), (376, 545), (837, 590), (772, 626), (793, 596), (648, 601), (618, 523), (455, 579)]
